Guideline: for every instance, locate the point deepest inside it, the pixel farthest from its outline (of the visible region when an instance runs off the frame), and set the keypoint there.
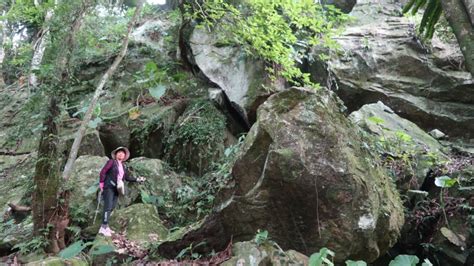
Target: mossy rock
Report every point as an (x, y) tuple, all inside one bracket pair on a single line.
[(55, 261), (241, 77), (198, 138), (84, 183), (17, 179), (249, 253), (150, 132), (390, 134), (12, 233), (161, 180), (102, 259), (139, 221), (90, 144)]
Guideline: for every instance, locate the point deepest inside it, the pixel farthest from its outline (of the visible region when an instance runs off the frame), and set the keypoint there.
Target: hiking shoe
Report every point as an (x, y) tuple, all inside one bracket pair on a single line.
[(105, 231)]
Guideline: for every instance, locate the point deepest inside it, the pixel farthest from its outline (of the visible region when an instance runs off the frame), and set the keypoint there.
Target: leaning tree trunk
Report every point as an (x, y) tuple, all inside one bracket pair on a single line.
[(459, 19), (98, 91), (61, 218)]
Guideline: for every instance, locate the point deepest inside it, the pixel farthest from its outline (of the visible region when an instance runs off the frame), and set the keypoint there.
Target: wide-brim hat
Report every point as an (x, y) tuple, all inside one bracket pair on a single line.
[(127, 153)]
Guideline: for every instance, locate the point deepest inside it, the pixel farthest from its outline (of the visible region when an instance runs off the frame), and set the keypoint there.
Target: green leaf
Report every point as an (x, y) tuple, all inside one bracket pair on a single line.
[(445, 181), (261, 236), (182, 252), (404, 260), (151, 67), (403, 136), (318, 258), (426, 262), (94, 123), (97, 110), (102, 249), (157, 91), (73, 250), (356, 263)]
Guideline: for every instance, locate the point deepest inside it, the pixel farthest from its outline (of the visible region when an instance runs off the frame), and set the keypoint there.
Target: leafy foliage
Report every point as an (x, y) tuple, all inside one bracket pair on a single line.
[(405, 260), (101, 35), (445, 181), (323, 257), (261, 236), (279, 32), (32, 243), (26, 12), (431, 15)]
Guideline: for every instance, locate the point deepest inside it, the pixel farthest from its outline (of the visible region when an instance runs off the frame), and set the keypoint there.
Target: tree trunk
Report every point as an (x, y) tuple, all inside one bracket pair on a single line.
[(469, 5), (40, 47), (3, 34), (47, 174), (459, 20), (51, 214), (87, 117)]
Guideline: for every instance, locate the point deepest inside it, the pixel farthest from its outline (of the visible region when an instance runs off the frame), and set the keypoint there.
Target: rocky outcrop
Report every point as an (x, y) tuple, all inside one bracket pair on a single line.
[(238, 75), (305, 176), (382, 59), (396, 138), (381, 120)]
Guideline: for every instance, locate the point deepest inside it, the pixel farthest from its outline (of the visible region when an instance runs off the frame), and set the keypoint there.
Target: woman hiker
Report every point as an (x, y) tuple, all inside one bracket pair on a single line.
[(111, 183)]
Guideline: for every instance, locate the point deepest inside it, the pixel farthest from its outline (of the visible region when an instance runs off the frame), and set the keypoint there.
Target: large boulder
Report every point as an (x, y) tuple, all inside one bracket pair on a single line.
[(411, 153), (90, 144), (161, 180), (381, 120), (382, 59), (198, 138), (305, 176), (238, 75), (140, 222)]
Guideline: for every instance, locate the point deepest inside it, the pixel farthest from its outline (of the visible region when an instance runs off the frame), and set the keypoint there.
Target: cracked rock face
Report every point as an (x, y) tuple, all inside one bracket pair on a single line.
[(382, 59)]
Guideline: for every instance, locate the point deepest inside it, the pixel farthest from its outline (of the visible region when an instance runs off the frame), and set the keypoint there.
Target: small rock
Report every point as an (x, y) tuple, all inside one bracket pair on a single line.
[(437, 134)]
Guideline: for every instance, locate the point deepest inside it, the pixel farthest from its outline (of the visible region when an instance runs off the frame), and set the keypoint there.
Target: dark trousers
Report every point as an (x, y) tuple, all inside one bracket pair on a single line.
[(110, 200)]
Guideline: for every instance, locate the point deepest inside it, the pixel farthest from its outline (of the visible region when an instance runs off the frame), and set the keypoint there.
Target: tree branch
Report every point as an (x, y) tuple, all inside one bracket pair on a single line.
[(87, 117)]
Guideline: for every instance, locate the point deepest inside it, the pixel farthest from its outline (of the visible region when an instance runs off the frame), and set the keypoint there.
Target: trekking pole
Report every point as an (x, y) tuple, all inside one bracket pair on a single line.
[(97, 209)]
